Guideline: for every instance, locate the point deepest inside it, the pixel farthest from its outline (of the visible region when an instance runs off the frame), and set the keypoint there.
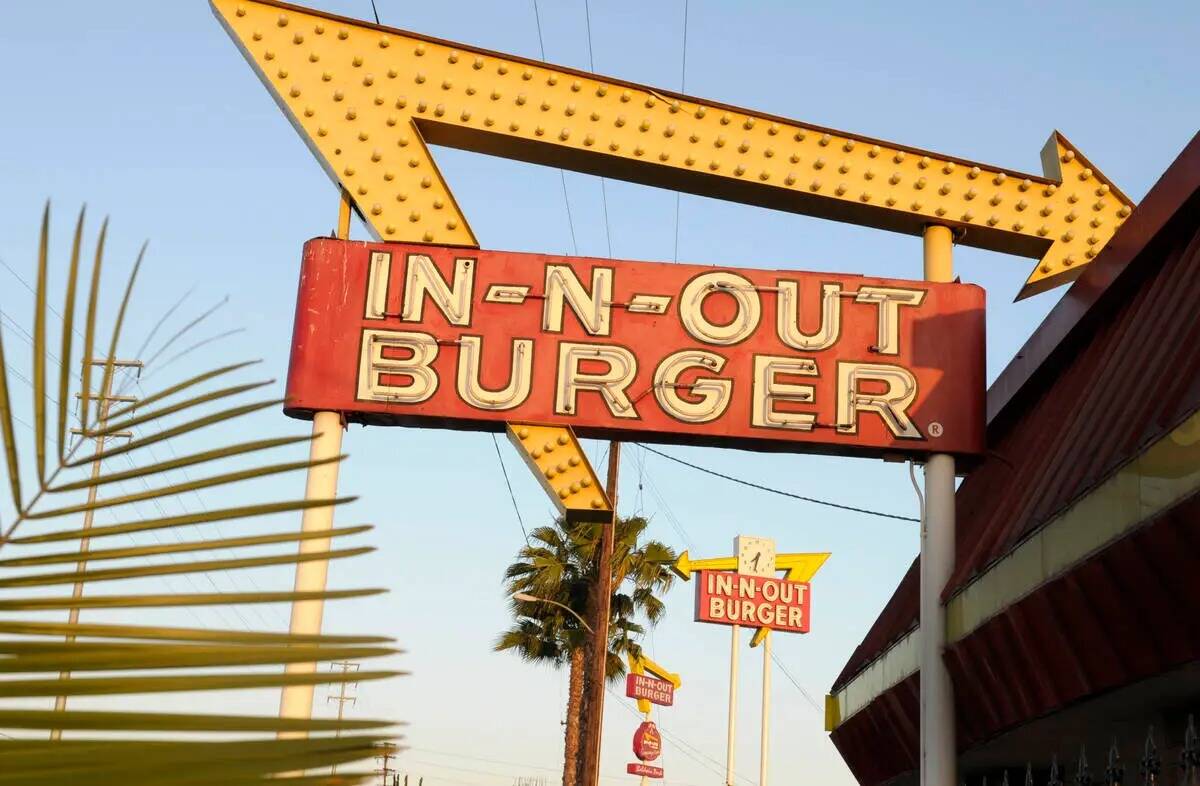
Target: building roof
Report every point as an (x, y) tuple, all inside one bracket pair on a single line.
[(1110, 369)]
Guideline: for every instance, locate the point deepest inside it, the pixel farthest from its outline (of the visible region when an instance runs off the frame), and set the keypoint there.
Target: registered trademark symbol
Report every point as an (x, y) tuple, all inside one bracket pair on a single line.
[(935, 429)]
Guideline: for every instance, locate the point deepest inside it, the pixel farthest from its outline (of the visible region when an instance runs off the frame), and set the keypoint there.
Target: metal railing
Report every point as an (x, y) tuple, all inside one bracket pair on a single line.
[(1152, 768)]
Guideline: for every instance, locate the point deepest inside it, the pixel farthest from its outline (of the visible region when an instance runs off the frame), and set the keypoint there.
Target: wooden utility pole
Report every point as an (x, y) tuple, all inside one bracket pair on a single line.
[(389, 753), (593, 726), (105, 401), (341, 698)]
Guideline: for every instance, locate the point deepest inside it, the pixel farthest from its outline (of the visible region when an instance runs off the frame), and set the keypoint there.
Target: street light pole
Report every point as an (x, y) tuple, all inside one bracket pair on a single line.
[(535, 599)]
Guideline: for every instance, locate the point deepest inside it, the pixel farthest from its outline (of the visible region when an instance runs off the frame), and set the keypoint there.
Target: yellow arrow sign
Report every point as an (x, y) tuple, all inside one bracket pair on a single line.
[(368, 99), (797, 567), (640, 665)]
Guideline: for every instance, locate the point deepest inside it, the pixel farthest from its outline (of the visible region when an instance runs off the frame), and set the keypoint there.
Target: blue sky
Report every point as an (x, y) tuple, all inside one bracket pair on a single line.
[(147, 112)]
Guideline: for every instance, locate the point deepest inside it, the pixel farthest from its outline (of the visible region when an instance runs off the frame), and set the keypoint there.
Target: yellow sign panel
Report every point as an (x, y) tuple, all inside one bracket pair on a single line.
[(558, 461), (796, 567), (368, 99)]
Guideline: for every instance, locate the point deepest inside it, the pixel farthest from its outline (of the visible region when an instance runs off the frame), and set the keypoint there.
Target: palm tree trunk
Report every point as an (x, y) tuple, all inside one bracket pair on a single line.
[(574, 713)]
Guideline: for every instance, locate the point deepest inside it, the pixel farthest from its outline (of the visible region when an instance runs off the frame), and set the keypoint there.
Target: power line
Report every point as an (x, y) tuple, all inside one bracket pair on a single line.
[(561, 175), (677, 525), (215, 525), (692, 752), (592, 67), (682, 89), (807, 696), (508, 483), (157, 504), (163, 319), (672, 519), (133, 510), (780, 492)]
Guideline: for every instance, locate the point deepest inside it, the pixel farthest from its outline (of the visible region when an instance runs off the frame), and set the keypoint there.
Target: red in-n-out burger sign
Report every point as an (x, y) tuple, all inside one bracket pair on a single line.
[(419, 335), (652, 689), (755, 601), (647, 742)]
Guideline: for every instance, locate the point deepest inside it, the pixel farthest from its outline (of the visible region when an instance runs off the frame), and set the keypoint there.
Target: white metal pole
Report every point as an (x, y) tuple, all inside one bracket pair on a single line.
[(939, 765), (296, 700), (765, 749), (731, 739)]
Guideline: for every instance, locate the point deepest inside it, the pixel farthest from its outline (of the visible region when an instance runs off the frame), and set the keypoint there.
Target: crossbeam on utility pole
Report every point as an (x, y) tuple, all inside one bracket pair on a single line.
[(389, 753), (105, 400), (341, 698)]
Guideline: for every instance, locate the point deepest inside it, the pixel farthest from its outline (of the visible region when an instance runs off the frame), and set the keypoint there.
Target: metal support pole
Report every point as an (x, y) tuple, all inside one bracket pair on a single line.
[(765, 749), (295, 701), (601, 602), (343, 224), (731, 734), (939, 764)]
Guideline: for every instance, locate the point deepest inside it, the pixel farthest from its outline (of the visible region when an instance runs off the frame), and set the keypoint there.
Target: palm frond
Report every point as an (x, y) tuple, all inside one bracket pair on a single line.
[(68, 328), (11, 462), (39, 348), (89, 335), (165, 522), (44, 657)]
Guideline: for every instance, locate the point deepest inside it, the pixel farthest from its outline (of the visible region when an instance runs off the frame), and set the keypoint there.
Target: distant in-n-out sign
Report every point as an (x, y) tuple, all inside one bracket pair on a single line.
[(652, 689), (781, 360)]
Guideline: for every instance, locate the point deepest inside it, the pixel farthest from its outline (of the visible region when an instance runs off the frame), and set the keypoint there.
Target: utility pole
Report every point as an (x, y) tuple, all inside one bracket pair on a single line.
[(341, 698), (389, 753), (601, 608), (105, 401)]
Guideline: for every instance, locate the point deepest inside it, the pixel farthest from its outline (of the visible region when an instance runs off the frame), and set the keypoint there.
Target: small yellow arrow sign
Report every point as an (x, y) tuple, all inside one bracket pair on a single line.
[(796, 567), (367, 99)]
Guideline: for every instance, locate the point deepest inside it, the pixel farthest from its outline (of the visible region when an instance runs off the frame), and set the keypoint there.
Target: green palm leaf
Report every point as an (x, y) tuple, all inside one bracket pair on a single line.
[(44, 656)]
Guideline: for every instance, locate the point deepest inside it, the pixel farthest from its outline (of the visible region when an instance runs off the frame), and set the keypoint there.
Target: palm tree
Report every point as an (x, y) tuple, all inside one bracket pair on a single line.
[(557, 566)]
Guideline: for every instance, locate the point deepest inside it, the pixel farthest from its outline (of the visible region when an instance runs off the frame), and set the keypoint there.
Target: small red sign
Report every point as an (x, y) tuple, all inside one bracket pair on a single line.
[(730, 598), (644, 769), (647, 742), (653, 690)]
